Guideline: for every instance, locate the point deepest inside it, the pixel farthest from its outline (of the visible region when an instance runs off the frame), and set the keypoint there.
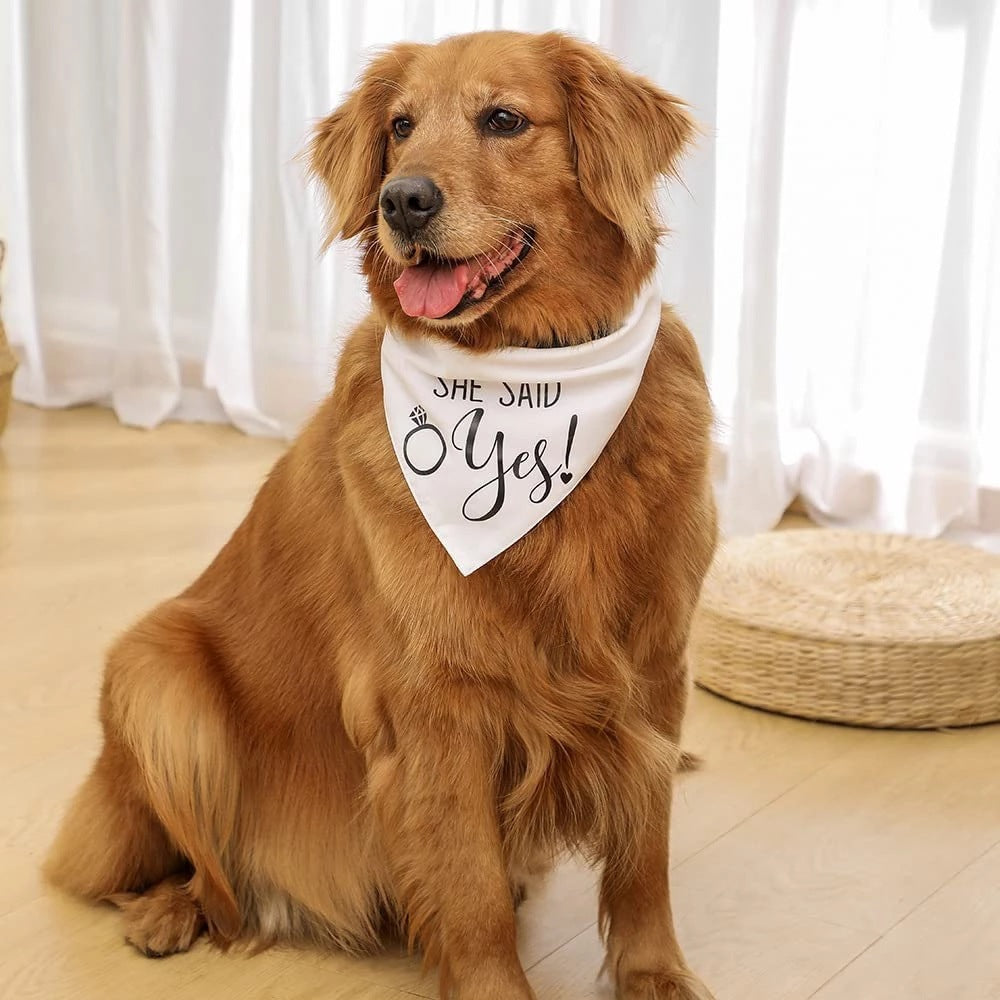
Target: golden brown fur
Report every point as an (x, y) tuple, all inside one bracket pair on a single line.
[(332, 734)]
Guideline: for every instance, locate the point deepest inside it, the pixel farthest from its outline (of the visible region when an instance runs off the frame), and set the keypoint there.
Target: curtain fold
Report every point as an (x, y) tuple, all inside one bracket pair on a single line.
[(835, 246), (145, 383)]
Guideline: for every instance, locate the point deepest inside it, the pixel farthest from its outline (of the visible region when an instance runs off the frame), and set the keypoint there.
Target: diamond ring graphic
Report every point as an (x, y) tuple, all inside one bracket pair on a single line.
[(423, 447)]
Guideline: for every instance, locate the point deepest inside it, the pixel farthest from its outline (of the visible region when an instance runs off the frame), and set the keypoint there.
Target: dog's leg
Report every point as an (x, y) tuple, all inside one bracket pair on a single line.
[(110, 840), (435, 793), (162, 798), (112, 847), (643, 954)]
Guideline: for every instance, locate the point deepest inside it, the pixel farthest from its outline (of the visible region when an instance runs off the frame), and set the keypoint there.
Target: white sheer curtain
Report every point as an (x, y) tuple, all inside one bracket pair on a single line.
[(855, 356), (835, 247)]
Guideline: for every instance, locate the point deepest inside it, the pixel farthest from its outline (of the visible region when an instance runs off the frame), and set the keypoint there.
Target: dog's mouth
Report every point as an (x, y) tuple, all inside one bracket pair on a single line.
[(441, 288)]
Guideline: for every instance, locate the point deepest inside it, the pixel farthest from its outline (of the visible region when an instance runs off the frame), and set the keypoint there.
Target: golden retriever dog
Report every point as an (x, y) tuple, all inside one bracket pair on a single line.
[(333, 735)]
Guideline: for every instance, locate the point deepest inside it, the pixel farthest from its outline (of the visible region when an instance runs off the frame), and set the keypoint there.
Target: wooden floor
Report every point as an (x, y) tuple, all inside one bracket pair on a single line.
[(811, 860)]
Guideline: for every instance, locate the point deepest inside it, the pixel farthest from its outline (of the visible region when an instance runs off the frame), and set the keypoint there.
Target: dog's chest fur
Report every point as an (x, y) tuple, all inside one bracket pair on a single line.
[(554, 644)]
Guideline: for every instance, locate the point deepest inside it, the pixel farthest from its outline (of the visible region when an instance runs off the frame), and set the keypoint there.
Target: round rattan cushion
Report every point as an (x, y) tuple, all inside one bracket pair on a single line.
[(872, 630)]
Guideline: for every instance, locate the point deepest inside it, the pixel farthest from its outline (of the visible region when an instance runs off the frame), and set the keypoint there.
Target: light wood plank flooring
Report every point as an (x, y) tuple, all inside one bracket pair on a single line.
[(810, 860)]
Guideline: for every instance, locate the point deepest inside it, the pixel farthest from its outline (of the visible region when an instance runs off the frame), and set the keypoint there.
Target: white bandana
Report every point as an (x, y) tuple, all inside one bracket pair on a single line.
[(491, 443)]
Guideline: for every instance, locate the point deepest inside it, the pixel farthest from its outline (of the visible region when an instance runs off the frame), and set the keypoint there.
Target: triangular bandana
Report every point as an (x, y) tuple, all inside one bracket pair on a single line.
[(491, 443)]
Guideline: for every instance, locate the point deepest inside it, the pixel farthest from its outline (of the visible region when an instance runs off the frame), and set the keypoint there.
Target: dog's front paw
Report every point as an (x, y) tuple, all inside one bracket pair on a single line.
[(673, 985)]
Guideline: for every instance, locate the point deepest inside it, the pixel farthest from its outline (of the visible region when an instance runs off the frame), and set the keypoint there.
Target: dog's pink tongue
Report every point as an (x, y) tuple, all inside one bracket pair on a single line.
[(432, 290)]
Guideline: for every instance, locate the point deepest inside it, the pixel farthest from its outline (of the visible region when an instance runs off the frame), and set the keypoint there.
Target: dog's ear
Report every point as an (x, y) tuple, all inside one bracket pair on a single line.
[(625, 131), (347, 150)]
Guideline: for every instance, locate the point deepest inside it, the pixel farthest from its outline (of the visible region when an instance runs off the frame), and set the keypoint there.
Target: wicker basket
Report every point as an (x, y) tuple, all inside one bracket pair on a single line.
[(872, 630), (7, 360)]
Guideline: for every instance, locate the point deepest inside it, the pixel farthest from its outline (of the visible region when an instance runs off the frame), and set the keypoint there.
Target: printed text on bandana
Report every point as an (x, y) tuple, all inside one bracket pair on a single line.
[(477, 439)]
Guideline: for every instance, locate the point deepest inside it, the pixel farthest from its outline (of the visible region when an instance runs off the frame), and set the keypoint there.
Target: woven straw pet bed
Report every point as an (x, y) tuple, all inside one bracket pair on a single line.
[(873, 630)]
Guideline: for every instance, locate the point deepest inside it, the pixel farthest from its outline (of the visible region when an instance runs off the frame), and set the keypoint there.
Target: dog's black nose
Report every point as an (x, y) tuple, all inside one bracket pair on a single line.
[(409, 203)]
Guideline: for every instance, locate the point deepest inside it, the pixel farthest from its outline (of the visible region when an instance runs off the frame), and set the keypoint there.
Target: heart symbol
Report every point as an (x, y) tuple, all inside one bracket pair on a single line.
[(566, 476)]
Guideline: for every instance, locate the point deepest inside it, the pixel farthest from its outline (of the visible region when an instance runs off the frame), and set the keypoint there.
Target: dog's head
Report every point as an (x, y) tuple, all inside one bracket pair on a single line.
[(501, 185)]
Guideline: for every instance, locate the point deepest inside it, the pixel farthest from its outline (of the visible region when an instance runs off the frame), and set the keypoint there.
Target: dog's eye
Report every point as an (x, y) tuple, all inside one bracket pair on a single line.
[(401, 127), (502, 120)]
